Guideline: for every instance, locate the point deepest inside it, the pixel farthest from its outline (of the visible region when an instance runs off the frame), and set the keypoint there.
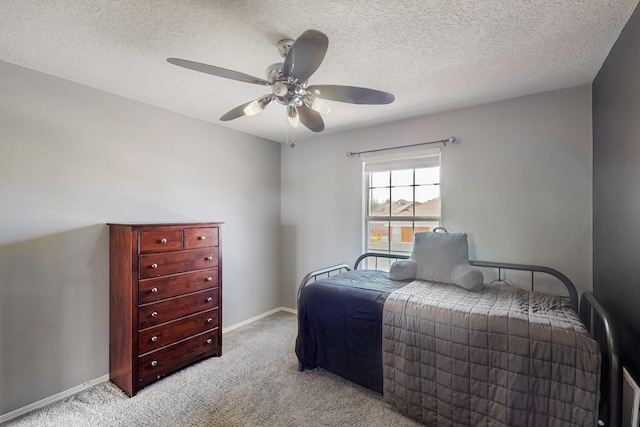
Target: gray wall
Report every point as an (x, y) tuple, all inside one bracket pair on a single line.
[(519, 182), (616, 188), (73, 158)]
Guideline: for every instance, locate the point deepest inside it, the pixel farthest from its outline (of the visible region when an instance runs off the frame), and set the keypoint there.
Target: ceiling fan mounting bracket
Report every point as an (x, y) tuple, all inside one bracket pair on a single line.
[(284, 46)]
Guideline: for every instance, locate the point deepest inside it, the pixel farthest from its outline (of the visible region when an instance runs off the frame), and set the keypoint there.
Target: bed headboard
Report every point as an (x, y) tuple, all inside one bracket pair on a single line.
[(373, 257)]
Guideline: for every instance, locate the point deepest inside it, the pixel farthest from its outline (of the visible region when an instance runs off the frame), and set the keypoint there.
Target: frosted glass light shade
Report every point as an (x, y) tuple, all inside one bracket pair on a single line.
[(292, 115), (320, 106), (252, 108)]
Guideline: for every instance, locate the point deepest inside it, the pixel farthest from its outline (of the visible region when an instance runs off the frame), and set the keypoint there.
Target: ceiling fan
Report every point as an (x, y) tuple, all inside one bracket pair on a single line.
[(289, 86)]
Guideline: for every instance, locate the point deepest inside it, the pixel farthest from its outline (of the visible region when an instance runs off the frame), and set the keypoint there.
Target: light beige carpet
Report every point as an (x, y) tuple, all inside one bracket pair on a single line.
[(254, 383)]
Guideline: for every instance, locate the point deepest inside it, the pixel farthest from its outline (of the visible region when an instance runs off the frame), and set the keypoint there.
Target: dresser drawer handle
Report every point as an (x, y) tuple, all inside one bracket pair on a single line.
[(154, 265), (154, 363), (209, 299), (154, 290), (163, 241), (209, 320), (209, 341), (209, 279), (154, 314), (202, 237), (154, 338), (209, 258)]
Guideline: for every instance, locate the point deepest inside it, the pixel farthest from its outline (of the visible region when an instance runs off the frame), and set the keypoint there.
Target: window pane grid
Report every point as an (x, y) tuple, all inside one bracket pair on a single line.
[(399, 204)]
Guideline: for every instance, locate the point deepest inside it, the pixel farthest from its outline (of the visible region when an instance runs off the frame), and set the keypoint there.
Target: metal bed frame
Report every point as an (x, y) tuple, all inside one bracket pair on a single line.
[(599, 325), (593, 315)]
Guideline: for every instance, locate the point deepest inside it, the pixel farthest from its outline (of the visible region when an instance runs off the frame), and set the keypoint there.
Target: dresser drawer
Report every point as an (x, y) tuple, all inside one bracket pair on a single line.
[(200, 237), (155, 289), (162, 264), (146, 380), (174, 308), (160, 240), (157, 361), (165, 334)]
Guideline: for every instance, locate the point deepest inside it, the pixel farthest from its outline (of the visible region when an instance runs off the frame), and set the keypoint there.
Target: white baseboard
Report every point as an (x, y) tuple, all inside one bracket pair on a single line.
[(77, 389), (51, 399), (258, 317)]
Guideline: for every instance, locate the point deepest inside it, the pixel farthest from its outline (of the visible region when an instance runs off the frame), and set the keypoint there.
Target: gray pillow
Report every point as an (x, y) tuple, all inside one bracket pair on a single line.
[(468, 277), (403, 269), (437, 253)]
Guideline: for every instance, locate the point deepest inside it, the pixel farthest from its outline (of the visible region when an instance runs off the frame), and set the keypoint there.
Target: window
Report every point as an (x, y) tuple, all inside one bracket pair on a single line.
[(402, 198)]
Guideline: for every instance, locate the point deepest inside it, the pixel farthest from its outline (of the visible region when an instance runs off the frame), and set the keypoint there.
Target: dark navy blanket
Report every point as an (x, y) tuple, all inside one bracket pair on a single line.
[(340, 325)]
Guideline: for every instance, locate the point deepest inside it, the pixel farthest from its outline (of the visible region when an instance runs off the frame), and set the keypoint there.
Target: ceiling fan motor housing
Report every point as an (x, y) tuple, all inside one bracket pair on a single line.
[(275, 72), (286, 88), (288, 93)]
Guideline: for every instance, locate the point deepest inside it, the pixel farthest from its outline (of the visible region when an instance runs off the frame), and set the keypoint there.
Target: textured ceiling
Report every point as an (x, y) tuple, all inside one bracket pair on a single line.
[(433, 55)]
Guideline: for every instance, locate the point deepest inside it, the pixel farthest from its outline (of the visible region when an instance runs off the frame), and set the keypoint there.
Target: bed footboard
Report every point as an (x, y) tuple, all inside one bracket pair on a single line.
[(310, 278), (323, 272), (599, 325)]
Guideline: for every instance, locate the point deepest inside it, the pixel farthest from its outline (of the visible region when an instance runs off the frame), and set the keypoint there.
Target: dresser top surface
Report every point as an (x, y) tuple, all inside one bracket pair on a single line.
[(165, 224)]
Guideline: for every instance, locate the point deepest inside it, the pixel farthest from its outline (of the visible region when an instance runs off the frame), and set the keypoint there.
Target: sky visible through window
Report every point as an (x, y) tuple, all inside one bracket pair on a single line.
[(402, 185)]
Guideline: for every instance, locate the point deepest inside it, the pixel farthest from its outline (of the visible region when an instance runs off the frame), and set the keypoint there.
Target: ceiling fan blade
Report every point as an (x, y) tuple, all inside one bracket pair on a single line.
[(258, 105), (310, 118), (352, 94), (217, 71), (306, 55)]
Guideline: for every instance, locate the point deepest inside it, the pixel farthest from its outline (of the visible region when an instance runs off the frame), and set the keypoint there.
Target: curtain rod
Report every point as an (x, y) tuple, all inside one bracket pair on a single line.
[(449, 140)]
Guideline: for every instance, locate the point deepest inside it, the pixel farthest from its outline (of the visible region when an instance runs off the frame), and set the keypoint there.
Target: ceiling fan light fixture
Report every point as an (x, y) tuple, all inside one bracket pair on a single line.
[(319, 105), (280, 89), (292, 115), (253, 108), (257, 105)]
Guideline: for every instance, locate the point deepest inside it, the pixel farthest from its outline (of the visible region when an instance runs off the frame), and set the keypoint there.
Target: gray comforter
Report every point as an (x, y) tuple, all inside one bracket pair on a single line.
[(499, 357)]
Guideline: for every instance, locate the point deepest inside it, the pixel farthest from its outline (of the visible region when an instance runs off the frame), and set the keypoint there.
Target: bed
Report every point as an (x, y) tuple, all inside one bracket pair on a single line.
[(444, 355)]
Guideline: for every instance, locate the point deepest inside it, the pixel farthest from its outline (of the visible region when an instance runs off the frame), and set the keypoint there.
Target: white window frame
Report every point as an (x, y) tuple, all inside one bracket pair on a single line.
[(398, 161)]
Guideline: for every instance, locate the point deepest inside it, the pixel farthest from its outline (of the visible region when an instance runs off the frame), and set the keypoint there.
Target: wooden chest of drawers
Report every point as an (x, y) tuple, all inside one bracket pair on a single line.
[(165, 299)]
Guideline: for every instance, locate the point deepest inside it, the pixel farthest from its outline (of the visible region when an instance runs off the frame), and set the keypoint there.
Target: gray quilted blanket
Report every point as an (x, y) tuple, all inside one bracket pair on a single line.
[(499, 357)]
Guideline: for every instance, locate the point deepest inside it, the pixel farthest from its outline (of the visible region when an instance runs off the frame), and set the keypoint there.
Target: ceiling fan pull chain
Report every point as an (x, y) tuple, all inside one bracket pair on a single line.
[(289, 141)]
